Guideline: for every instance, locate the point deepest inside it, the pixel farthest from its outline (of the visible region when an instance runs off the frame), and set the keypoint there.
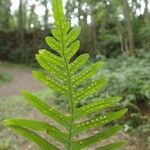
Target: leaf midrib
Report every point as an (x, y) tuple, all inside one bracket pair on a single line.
[(69, 85)]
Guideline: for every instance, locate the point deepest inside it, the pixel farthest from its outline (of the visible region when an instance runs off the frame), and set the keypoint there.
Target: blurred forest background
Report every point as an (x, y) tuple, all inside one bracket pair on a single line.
[(115, 31)]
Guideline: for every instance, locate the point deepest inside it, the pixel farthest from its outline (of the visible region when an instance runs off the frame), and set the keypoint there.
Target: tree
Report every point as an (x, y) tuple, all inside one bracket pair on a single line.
[(147, 25), (5, 14), (129, 23), (45, 4), (21, 21)]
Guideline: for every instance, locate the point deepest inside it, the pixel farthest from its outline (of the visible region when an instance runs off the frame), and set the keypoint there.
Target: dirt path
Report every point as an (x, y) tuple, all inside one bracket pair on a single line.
[(22, 79)]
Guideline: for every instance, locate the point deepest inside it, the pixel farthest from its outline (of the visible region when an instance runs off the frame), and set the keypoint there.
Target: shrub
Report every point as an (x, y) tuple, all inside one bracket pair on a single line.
[(129, 78)]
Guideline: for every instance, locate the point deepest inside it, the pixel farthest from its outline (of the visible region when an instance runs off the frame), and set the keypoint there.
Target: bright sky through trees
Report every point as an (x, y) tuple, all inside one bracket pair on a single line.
[(40, 10)]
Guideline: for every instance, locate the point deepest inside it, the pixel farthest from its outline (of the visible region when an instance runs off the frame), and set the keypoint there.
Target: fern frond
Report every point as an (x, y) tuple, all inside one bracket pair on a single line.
[(86, 74), (52, 58), (54, 45), (72, 49), (56, 68), (114, 146), (39, 126), (71, 36), (47, 110), (78, 63), (76, 83), (89, 90), (98, 121), (96, 106), (51, 82), (34, 137), (97, 137)]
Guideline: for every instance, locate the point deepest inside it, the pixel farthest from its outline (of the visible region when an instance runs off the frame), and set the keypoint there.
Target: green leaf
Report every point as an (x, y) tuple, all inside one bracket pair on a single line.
[(87, 73), (89, 90), (34, 137), (78, 63), (51, 82), (96, 106), (72, 49), (56, 33), (54, 44), (38, 126), (72, 35), (52, 58), (97, 137), (66, 28), (114, 146), (58, 12), (47, 110), (51, 67), (98, 121)]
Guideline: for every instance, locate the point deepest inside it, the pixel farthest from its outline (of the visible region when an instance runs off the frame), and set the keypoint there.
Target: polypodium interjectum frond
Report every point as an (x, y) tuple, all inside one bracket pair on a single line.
[(65, 76)]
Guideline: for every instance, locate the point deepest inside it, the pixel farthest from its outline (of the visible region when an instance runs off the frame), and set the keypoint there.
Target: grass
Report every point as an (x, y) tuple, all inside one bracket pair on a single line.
[(5, 77), (17, 107), (11, 107), (11, 64)]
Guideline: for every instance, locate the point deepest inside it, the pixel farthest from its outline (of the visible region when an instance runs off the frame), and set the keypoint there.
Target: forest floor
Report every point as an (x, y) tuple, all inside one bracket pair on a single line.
[(22, 79), (12, 105)]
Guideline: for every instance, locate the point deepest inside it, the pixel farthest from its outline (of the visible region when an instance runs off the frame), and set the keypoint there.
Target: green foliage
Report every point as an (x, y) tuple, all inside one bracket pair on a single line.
[(128, 77), (17, 55), (68, 78), (11, 51)]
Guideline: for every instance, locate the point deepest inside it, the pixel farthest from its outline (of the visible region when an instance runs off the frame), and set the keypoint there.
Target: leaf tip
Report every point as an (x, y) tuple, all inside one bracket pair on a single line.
[(6, 122), (47, 38), (124, 111), (23, 92), (119, 98), (41, 51)]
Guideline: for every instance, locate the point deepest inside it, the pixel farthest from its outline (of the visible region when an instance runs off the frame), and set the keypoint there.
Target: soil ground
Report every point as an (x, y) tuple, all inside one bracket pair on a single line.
[(22, 79)]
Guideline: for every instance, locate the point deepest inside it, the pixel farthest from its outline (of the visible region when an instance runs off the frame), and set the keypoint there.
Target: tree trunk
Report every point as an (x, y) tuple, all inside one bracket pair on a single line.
[(31, 17), (7, 15), (147, 24), (119, 29), (21, 23), (126, 47), (35, 40), (129, 23), (79, 11), (146, 8), (45, 2), (93, 33)]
